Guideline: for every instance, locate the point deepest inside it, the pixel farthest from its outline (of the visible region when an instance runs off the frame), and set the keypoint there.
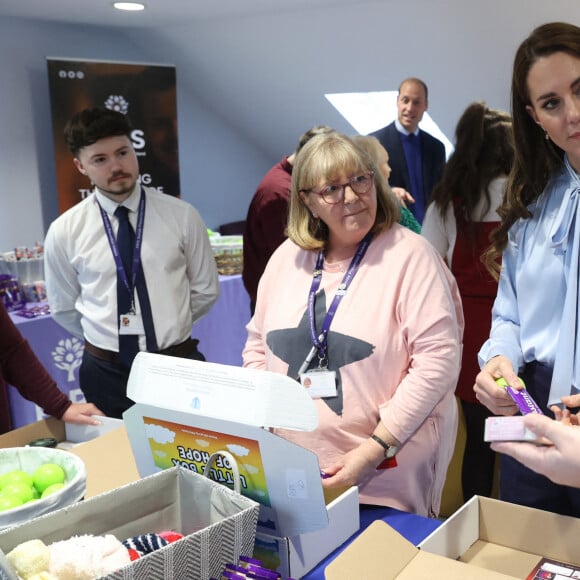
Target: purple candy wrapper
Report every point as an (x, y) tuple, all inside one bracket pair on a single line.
[(524, 401)]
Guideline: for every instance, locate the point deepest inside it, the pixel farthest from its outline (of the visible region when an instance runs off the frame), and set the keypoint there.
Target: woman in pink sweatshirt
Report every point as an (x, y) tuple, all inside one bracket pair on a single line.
[(364, 313)]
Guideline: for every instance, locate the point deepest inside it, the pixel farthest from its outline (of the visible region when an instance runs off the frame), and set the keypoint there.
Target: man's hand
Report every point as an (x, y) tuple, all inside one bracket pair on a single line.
[(559, 462)]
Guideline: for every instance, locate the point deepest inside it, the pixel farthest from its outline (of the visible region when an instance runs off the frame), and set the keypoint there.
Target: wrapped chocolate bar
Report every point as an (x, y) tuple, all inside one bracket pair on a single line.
[(10, 293), (521, 398)]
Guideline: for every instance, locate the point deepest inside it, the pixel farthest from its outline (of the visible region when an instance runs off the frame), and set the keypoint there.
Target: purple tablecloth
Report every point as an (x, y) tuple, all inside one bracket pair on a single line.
[(221, 333)]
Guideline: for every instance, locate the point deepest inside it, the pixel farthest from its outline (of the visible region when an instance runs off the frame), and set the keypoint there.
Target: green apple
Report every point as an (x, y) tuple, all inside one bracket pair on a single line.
[(18, 489), (52, 489), (16, 475), (8, 502), (47, 474)]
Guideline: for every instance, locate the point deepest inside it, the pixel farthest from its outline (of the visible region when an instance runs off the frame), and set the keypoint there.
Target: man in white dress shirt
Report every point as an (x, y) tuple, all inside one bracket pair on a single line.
[(169, 282)]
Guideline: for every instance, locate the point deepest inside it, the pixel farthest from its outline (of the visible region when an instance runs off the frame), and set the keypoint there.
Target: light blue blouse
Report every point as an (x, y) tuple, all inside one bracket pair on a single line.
[(527, 315)]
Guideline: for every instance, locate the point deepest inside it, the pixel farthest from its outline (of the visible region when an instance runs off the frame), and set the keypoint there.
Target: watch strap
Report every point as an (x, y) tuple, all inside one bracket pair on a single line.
[(390, 450)]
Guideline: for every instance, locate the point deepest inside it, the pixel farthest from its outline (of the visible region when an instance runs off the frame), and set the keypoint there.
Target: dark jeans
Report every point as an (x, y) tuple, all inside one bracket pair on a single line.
[(521, 485), (105, 383)]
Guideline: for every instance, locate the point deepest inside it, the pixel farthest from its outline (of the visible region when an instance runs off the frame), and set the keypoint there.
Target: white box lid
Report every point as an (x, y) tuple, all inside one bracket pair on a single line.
[(249, 396)]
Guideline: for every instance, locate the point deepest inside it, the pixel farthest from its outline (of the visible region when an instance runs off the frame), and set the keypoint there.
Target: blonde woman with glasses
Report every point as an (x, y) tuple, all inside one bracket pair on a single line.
[(365, 314)]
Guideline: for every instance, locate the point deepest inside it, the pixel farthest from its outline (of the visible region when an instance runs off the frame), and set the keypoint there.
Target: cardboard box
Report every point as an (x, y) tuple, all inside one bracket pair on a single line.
[(486, 539), (109, 462), (295, 556), (107, 457), (20, 437), (186, 410), (66, 434), (218, 523)]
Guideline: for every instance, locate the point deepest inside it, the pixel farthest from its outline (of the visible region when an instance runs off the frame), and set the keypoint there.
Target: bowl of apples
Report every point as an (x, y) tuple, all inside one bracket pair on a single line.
[(37, 480)]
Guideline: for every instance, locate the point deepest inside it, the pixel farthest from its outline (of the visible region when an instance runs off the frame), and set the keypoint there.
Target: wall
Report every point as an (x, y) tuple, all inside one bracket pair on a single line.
[(210, 149), (249, 86), (266, 74)]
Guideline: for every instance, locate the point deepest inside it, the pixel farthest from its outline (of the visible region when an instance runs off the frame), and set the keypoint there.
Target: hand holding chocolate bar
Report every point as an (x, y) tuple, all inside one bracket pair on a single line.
[(523, 400), (492, 395)]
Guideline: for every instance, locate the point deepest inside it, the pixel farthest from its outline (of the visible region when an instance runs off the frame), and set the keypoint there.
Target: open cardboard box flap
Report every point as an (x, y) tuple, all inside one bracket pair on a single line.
[(187, 410), (381, 552), (505, 537), (484, 539)]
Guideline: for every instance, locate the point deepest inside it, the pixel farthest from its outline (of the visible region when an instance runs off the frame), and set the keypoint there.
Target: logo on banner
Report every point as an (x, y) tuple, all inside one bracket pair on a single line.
[(117, 103), (68, 356)]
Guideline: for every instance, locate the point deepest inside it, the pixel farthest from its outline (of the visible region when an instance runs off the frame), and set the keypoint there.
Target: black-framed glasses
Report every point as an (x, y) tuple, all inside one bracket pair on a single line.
[(334, 193)]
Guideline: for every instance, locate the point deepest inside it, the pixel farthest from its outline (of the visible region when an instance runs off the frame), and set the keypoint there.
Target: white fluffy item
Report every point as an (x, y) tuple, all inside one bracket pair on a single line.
[(83, 557)]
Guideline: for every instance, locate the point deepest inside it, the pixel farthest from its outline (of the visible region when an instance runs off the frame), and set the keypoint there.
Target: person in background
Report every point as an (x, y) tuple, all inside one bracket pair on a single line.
[(534, 329), (459, 221), (365, 314), (265, 227), (559, 459), (20, 368), (416, 157), (128, 269), (380, 156)]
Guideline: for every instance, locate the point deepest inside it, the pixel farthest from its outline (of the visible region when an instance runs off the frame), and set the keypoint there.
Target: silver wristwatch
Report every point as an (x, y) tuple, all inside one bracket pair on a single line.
[(390, 450)]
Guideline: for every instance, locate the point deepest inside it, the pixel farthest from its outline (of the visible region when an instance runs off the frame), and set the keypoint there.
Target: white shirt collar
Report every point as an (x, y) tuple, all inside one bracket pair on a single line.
[(132, 202), (402, 129)]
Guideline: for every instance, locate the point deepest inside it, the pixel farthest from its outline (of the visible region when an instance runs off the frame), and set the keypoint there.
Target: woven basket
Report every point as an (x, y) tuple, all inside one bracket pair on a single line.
[(228, 253), (219, 525)]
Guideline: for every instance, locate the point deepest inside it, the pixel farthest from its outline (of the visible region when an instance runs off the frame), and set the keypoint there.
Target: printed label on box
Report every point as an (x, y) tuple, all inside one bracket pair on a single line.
[(173, 444), (551, 570)]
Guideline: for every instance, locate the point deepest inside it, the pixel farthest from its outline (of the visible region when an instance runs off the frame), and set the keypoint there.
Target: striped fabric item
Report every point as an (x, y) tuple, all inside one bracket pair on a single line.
[(145, 543)]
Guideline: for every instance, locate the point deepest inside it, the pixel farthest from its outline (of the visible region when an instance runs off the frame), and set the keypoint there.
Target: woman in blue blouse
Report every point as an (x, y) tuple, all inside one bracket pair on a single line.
[(535, 315)]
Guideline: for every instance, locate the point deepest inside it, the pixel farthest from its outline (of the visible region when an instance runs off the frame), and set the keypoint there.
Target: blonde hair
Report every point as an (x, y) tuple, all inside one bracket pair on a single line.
[(327, 158), (371, 145)]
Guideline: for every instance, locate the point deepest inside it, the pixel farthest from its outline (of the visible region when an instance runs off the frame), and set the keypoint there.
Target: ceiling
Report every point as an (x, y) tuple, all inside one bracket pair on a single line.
[(265, 66), (157, 13)]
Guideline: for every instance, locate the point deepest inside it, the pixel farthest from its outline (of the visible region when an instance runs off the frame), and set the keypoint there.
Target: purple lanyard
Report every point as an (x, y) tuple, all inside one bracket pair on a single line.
[(319, 341), (136, 251)]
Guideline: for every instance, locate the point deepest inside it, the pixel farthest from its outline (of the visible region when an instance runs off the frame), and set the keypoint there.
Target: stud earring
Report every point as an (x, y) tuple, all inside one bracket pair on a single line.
[(546, 136)]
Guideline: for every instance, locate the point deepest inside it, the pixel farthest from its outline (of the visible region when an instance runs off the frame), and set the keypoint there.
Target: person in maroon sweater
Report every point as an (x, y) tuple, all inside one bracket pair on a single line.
[(265, 227), (20, 367)]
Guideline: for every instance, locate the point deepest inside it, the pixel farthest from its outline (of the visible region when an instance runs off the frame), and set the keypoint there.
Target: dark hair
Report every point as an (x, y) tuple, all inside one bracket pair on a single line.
[(417, 81), (484, 150), (536, 157), (89, 126)]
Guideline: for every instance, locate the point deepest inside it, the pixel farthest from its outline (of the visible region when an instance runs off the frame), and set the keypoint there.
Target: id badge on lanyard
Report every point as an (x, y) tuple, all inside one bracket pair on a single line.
[(131, 323), (321, 382)]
